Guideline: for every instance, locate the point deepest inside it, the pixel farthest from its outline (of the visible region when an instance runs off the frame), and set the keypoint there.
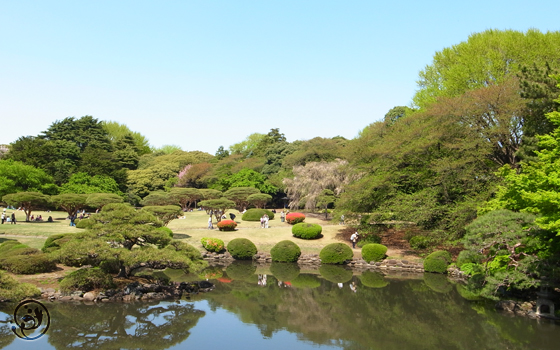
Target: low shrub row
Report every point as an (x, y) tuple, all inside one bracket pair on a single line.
[(21, 259)]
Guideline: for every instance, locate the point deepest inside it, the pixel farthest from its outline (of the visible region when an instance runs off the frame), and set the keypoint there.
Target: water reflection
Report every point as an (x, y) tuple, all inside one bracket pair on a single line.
[(370, 311)]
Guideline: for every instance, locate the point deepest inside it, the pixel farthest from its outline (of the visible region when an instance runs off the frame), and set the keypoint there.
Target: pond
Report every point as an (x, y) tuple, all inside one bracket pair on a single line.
[(336, 309)]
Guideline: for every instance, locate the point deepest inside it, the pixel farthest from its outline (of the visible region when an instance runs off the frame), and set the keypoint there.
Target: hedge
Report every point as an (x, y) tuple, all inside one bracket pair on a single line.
[(28, 264), (256, 214), (55, 241), (213, 244), (227, 225), (373, 252), (12, 290), (437, 262), (285, 251), (336, 253), (242, 249), (84, 223), (86, 280), (294, 218), (307, 231)]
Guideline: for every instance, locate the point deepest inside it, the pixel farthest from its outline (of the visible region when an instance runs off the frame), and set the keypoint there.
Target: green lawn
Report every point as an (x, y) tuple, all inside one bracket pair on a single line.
[(190, 230), (194, 227)]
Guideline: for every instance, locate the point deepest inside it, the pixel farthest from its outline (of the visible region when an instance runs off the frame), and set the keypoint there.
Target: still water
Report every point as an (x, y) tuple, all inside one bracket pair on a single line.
[(331, 308)]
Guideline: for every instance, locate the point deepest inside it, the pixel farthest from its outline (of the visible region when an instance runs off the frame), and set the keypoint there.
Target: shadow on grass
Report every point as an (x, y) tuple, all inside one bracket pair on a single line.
[(181, 236), (2, 240)]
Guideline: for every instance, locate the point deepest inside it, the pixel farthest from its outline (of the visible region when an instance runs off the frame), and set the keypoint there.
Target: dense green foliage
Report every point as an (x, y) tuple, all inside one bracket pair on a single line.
[(373, 252), (20, 259), (213, 244), (86, 280), (12, 290), (242, 249), (437, 262), (307, 231), (256, 214), (336, 253), (285, 251)]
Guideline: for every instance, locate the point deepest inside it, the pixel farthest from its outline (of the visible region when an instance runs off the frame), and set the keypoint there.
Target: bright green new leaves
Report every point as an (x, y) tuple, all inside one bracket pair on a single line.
[(536, 189), (18, 177)]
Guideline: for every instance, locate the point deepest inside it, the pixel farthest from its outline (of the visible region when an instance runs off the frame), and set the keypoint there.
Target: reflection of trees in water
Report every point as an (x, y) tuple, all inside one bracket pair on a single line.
[(400, 315), (124, 326), (6, 334)]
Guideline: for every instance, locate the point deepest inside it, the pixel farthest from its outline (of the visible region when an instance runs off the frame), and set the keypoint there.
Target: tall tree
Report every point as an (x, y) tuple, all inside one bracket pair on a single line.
[(18, 177), (29, 201), (240, 196), (70, 202)]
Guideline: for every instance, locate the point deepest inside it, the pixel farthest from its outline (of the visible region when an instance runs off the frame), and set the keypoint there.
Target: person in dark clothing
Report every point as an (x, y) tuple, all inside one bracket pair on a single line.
[(232, 216), (14, 218)]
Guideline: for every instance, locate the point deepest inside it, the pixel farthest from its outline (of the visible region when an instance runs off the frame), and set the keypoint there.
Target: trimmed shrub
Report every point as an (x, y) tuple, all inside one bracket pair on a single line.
[(373, 279), (166, 230), (256, 214), (242, 249), (28, 264), (9, 245), (307, 231), (295, 218), (12, 290), (438, 283), (84, 223), (437, 262), (55, 241), (336, 253), (284, 271), (419, 242), (335, 274), (285, 251), (242, 271), (306, 281), (86, 280), (213, 244), (370, 238), (227, 225), (373, 252), (468, 256)]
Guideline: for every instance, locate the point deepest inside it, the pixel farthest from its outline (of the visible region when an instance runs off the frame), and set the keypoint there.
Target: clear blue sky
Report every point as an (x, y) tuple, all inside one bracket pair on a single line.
[(200, 74)]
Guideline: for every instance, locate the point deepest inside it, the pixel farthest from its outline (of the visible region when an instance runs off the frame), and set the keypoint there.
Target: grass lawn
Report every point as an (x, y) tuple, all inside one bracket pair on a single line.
[(194, 227), (190, 230)]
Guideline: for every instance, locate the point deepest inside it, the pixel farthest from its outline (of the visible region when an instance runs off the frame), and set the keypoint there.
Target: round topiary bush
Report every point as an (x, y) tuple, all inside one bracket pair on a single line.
[(306, 281), (257, 214), (242, 249), (295, 218), (285, 251), (213, 244), (336, 253), (468, 256), (438, 283), (307, 231), (373, 279), (242, 271), (437, 262), (227, 225), (86, 280), (284, 271), (335, 274), (373, 252)]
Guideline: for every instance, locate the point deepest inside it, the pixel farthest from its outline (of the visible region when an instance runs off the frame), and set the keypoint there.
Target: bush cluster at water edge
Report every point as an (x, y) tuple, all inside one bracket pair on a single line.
[(336, 253), (373, 252), (437, 262), (242, 249), (285, 251)]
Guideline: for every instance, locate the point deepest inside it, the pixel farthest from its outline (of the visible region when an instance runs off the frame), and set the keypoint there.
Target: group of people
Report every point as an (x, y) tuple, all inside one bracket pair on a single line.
[(8, 218), (264, 221)]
